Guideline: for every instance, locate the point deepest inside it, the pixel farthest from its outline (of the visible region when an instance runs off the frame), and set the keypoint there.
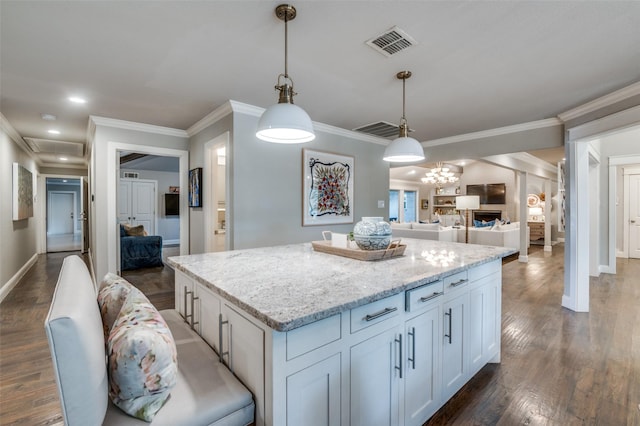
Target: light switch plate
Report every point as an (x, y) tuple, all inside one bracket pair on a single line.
[(381, 204)]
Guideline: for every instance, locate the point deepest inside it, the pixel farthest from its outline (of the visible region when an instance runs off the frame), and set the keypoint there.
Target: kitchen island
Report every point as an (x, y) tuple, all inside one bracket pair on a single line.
[(324, 339)]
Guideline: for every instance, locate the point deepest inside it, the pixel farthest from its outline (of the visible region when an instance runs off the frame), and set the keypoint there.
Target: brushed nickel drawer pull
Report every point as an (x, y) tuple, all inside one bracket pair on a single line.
[(382, 313), (457, 283), (433, 296)]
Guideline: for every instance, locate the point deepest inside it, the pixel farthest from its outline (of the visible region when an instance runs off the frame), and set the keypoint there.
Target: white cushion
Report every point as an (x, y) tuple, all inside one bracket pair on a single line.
[(397, 225), (74, 330), (426, 226)]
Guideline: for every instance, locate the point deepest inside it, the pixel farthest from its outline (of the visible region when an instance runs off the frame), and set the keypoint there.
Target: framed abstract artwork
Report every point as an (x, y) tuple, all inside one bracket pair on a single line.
[(327, 188), (195, 187), (22, 192)]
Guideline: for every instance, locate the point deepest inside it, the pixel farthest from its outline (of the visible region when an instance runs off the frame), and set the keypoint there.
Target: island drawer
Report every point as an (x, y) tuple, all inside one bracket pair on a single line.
[(418, 297), (313, 336), (373, 313), (484, 270), (455, 281)]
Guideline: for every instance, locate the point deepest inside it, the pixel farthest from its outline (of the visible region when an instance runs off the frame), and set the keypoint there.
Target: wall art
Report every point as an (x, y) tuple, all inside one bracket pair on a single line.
[(195, 187), (22, 192), (327, 188)]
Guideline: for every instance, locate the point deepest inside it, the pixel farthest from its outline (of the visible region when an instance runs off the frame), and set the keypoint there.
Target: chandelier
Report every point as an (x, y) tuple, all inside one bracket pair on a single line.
[(440, 175)]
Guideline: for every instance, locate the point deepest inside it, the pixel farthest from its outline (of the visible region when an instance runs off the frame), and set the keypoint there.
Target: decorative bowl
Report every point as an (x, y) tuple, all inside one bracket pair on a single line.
[(372, 242)]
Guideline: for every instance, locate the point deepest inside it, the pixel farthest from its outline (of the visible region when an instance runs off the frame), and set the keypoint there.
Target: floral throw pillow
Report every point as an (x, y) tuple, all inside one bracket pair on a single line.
[(111, 296), (142, 361)]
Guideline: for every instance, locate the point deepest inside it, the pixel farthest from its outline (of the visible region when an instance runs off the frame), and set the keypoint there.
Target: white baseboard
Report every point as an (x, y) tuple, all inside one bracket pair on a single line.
[(621, 253), (523, 259), (547, 248), (171, 242), (567, 303), (560, 240), (9, 285), (606, 269)]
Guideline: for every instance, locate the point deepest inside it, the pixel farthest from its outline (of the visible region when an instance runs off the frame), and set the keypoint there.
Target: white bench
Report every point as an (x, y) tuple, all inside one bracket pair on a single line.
[(206, 393)]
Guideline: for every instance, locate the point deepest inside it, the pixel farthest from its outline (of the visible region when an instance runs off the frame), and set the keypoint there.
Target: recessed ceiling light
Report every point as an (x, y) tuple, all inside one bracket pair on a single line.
[(48, 117), (77, 100), (63, 158), (53, 131)]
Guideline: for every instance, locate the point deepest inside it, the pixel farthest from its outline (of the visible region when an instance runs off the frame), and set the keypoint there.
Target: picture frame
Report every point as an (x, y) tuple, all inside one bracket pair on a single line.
[(174, 189), (195, 187), (327, 188), (22, 192), (424, 204)]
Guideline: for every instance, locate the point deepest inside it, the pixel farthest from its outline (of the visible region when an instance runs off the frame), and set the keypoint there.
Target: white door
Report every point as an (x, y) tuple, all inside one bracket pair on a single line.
[(634, 216), (143, 205), (124, 201), (60, 213)]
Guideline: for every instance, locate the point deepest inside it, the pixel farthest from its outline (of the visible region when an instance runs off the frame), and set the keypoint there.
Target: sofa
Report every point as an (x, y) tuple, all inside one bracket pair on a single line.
[(507, 235), (138, 250), (424, 231), (205, 391)]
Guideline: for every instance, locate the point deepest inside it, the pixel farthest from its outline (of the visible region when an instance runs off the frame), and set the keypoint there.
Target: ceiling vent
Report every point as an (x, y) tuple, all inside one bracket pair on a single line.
[(46, 146), (130, 175), (383, 129), (392, 41)]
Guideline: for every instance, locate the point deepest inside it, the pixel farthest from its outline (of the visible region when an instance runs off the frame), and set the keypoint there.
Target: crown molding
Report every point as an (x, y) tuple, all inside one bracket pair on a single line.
[(209, 119), (141, 127), (83, 166), (15, 137), (532, 159), (601, 102), (516, 128)]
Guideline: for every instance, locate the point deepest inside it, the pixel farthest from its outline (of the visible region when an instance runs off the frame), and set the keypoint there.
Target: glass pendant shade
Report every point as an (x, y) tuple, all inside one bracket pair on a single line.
[(403, 149), (285, 123)]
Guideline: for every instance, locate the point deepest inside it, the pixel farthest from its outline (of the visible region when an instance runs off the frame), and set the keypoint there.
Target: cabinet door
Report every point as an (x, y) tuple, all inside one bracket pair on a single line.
[(243, 342), (183, 285), (208, 316), (454, 330), (313, 394), (375, 378), (484, 323), (422, 381)]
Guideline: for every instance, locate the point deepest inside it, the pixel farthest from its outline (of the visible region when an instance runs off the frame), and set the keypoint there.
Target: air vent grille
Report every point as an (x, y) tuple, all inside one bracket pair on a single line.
[(392, 41), (130, 175), (381, 128)]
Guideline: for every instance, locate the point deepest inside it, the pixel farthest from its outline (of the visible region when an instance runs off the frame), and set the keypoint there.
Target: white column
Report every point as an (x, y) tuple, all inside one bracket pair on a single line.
[(524, 231), (547, 215), (576, 253)]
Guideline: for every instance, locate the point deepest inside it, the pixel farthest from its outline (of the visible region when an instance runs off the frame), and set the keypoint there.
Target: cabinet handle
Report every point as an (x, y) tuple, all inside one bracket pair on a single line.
[(193, 317), (185, 294), (457, 283), (449, 335), (412, 333), (220, 325), (433, 296), (399, 341), (382, 313)]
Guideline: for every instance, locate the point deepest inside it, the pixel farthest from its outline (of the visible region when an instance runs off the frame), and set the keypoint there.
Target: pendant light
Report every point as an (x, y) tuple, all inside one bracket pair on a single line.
[(403, 149), (285, 122)]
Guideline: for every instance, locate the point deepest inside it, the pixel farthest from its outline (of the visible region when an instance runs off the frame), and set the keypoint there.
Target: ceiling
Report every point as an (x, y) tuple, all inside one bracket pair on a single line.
[(475, 65)]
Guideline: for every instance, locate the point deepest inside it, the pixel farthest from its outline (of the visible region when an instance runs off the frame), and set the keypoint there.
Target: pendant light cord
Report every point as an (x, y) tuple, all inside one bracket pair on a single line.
[(286, 48), (403, 99)]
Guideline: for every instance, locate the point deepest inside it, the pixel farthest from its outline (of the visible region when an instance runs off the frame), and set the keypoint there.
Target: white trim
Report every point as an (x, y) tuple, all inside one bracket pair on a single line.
[(601, 102), (326, 128), (621, 160), (140, 127), (13, 281), (604, 269), (602, 126), (247, 109), (532, 125), (211, 118), (15, 136), (621, 255), (211, 198), (548, 248), (523, 259), (112, 183)]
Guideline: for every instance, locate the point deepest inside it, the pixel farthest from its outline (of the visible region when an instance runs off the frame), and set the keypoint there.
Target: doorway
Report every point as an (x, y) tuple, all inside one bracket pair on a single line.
[(63, 215), (633, 207), (216, 206)]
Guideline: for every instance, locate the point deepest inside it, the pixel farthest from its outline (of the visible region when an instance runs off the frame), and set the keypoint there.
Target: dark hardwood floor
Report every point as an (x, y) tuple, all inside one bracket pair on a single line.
[(558, 367)]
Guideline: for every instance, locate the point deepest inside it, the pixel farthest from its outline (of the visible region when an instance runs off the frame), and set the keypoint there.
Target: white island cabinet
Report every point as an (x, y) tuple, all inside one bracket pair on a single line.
[(338, 341)]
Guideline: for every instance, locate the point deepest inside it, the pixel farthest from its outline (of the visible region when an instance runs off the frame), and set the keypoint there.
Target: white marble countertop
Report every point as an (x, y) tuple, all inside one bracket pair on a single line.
[(289, 286)]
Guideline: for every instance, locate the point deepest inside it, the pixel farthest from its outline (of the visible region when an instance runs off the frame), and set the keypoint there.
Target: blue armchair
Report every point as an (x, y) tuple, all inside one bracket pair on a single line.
[(139, 251)]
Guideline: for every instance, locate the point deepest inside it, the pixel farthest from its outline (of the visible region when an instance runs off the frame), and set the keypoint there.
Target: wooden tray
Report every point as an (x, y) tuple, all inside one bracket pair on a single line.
[(395, 249)]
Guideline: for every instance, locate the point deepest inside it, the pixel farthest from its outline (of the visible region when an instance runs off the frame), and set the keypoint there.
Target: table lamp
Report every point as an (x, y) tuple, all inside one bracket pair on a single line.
[(466, 203)]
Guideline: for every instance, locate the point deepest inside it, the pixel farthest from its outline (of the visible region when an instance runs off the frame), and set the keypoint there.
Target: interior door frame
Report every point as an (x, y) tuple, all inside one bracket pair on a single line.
[(633, 169), (41, 229), (210, 201), (113, 173)]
